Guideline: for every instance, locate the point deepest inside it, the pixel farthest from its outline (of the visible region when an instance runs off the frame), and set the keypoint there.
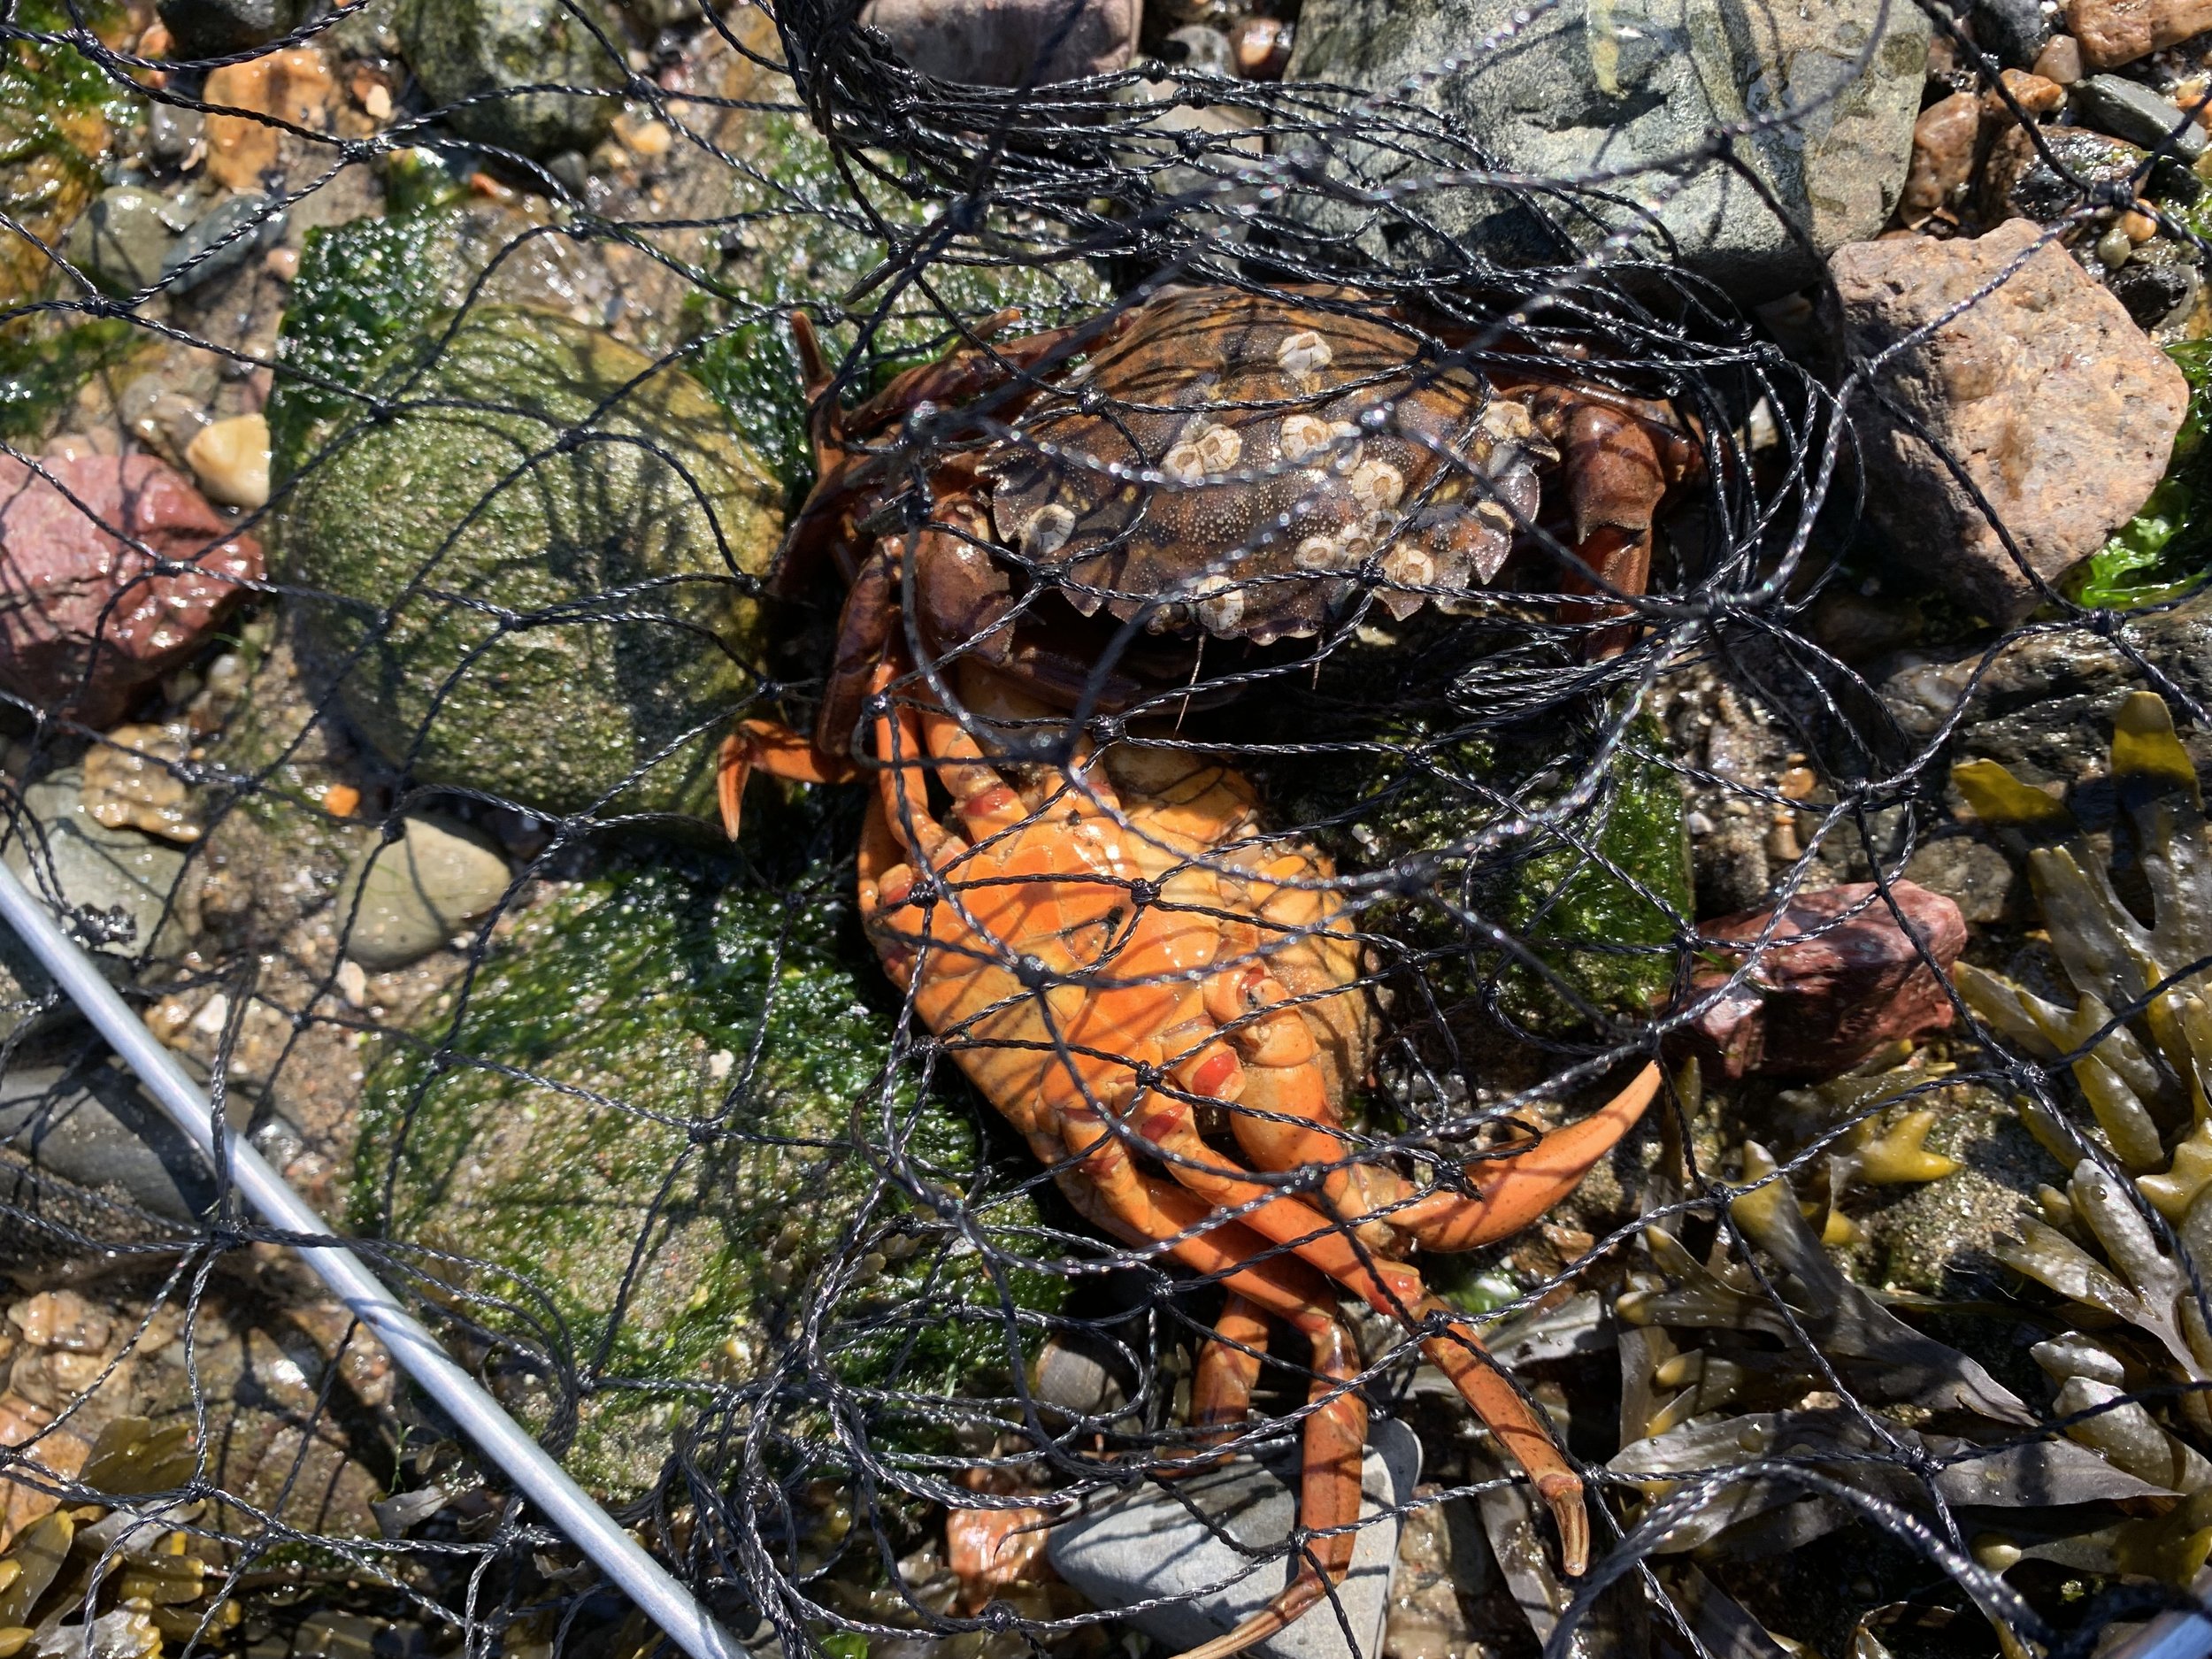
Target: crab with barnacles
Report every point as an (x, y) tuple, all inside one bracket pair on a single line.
[(1101, 500)]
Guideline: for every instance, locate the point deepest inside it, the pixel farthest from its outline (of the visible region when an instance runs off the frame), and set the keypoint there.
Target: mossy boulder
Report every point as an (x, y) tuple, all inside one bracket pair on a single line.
[(538, 573), (658, 1139)]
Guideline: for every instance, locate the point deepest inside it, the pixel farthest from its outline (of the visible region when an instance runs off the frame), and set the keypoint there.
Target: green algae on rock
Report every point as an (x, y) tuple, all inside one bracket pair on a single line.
[(56, 111), (644, 1136), (479, 56), (537, 576)]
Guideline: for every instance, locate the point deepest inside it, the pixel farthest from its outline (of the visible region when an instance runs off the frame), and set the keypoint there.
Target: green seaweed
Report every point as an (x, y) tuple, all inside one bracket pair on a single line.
[(57, 108), (38, 377), (362, 288), (2165, 547), (661, 1066)]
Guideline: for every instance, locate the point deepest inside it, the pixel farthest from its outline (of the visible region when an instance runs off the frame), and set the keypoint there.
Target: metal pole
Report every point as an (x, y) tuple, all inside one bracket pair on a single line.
[(414, 1348)]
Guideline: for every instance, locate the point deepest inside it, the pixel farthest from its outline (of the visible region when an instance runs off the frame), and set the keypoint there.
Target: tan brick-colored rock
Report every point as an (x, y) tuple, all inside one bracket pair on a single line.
[(1942, 157), (2056, 405), (2115, 32)]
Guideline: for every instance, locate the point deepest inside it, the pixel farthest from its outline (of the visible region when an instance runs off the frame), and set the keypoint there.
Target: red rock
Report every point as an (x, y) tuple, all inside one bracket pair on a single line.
[(2115, 32), (1825, 994), (2032, 377), (86, 617)]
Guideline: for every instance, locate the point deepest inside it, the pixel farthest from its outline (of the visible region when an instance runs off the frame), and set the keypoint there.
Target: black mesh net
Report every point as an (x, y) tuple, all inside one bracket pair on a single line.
[(1221, 808)]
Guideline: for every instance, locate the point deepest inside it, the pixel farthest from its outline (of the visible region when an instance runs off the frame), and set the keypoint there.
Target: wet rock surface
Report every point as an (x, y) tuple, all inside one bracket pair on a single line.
[(478, 55), (86, 617), (1029, 42)]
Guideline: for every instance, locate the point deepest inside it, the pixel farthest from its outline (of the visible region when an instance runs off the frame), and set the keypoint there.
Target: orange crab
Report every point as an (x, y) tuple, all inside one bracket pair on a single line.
[(1116, 959), (1096, 503)]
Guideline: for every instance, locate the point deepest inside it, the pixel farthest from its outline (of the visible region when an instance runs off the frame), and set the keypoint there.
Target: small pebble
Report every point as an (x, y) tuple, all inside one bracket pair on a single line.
[(283, 264), (156, 42), (2060, 60), (341, 799), (645, 138), (1798, 782), (213, 1016), (352, 981), (231, 460), (2139, 226), (1263, 48), (2113, 248), (376, 102), (2033, 93)]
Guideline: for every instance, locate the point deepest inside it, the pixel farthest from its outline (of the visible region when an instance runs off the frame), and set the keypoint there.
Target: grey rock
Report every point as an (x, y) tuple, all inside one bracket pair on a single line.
[(234, 231), (1009, 42), (2012, 31), (2042, 705), (125, 238), (1635, 90), (171, 134), (217, 28), (417, 892), (121, 892), (2130, 110), (1204, 51), (92, 1124), (1145, 1543), (2017, 180), (476, 53)]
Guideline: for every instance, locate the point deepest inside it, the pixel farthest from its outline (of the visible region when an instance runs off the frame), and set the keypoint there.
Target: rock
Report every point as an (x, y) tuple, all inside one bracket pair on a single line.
[(640, 1126), (2042, 705), (1587, 87), (2130, 110), (629, 568), (2014, 31), (84, 624), (2115, 32), (1146, 1542), (2017, 180), (2045, 391), (225, 239), (54, 137), (419, 892), (132, 781), (92, 1124), (293, 86), (1824, 992), (2060, 60), (1010, 42), (217, 28), (476, 52), (124, 240), (2155, 292), (121, 888), (172, 135), (1943, 141), (1203, 50), (231, 460)]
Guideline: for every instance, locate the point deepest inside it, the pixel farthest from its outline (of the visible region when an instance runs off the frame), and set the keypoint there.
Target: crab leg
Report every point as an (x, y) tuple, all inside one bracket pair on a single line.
[(1392, 1288), (1336, 1437)]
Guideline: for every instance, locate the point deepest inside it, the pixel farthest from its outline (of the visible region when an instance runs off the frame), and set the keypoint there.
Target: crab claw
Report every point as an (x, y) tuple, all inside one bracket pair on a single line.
[(1517, 1191)]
